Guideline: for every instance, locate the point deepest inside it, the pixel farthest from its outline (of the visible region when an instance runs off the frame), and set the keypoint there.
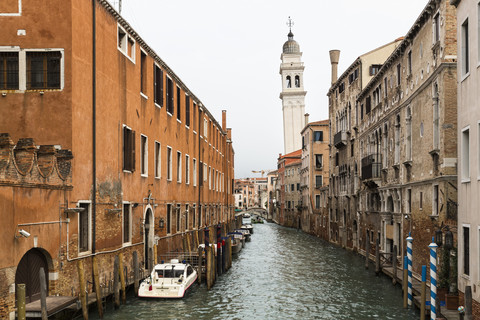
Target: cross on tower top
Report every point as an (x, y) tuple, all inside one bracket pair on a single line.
[(290, 23)]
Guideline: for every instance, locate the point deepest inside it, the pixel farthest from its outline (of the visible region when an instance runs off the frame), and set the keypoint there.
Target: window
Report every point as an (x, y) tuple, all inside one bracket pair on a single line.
[(409, 200), (435, 200), (465, 155), (353, 76), (187, 111), (436, 118), (127, 223), (169, 163), (341, 87), (317, 136), (397, 140), (169, 96), (421, 201), (436, 28), (194, 172), (318, 161), (9, 70), (409, 62), (409, 134), (317, 201), (169, 218), (158, 162), (465, 49), (318, 181), (187, 169), (368, 104), (385, 84), (143, 72), (289, 82), (297, 81), (43, 70), (144, 155), (187, 209), (374, 68), (178, 217), (128, 149), (399, 76), (126, 44), (209, 178), (194, 126), (84, 226), (158, 79), (179, 104), (466, 250), (179, 166)]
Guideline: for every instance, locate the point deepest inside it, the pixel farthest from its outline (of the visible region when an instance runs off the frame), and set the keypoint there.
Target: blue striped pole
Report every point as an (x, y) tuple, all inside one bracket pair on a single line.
[(433, 280), (409, 258)]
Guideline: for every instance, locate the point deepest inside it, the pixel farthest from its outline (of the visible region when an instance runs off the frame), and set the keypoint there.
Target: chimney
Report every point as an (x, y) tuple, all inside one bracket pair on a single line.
[(306, 118), (224, 120), (334, 57)]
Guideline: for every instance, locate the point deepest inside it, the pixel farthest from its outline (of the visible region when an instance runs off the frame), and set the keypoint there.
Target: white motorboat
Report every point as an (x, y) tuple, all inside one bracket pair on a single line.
[(168, 280), (245, 233), (238, 241)]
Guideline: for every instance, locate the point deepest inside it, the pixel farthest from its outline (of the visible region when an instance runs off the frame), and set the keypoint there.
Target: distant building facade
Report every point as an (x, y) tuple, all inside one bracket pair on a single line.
[(314, 174), (288, 184)]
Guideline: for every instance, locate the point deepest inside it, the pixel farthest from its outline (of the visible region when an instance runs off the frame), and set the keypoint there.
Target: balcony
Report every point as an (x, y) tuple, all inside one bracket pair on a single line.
[(371, 166), (340, 139)]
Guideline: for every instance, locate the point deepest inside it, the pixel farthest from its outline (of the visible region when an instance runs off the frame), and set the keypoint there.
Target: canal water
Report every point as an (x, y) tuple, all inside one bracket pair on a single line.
[(282, 274)]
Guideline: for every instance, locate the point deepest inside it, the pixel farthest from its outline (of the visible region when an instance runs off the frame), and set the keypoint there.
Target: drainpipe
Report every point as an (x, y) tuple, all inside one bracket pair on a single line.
[(94, 128)]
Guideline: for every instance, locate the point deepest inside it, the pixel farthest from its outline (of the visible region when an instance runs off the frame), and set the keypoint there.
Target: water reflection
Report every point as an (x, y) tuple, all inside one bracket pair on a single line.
[(282, 274)]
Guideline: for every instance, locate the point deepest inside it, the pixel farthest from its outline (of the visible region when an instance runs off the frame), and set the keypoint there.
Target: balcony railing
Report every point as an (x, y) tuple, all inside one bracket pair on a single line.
[(340, 139), (371, 166)]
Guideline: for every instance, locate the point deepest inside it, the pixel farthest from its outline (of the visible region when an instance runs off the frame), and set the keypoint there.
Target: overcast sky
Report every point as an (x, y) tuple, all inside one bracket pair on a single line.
[(228, 54)]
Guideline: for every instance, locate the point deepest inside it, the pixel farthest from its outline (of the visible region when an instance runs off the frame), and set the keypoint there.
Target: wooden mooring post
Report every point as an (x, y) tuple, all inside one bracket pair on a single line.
[(20, 293), (377, 257), (200, 264), (136, 274), (116, 289), (96, 280), (423, 292), (43, 294), (83, 289), (394, 265), (122, 278), (367, 250)]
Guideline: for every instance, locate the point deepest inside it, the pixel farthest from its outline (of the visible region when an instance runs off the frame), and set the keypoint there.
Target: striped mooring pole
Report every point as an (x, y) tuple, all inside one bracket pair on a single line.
[(409, 259), (433, 279)]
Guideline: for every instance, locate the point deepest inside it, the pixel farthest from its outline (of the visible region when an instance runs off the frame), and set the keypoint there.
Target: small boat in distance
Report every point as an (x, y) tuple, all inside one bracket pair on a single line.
[(168, 280), (238, 241)]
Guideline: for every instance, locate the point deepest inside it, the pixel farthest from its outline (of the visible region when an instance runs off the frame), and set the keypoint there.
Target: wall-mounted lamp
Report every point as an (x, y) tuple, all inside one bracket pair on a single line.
[(4, 94), (161, 223), (134, 205)]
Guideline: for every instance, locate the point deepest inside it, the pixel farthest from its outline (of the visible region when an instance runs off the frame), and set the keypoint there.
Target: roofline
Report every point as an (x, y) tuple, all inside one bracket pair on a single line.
[(157, 58), (419, 22)]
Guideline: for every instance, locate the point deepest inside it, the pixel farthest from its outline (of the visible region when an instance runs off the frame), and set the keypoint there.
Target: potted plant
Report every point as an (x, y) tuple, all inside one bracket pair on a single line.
[(443, 276), (452, 296)]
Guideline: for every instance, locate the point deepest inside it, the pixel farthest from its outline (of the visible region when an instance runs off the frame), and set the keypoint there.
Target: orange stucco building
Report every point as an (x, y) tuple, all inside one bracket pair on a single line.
[(150, 162)]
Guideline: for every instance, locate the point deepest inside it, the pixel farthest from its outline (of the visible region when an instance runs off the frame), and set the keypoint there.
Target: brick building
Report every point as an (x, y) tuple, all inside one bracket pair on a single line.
[(403, 121), (314, 177), (288, 186), (150, 164), (343, 164)]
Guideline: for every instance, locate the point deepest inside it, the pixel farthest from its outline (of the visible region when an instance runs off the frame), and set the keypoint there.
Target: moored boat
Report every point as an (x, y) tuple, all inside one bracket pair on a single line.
[(238, 241), (168, 280)]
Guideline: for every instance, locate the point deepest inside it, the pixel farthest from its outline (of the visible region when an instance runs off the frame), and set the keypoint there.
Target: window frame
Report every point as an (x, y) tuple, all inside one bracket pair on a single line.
[(169, 163), (179, 167), (24, 69), (123, 47), (89, 227), (129, 216), (187, 169), (143, 155), (465, 158), (158, 160)]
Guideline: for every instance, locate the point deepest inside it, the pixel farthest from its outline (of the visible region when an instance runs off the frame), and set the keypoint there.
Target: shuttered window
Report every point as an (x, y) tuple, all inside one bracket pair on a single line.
[(8, 70), (128, 149), (158, 91), (170, 96), (43, 70)]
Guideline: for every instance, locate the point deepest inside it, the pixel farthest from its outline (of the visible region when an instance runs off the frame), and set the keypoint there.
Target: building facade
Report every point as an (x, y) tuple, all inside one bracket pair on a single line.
[(344, 165), (288, 186), (314, 174), (468, 151), (150, 162), (292, 95)]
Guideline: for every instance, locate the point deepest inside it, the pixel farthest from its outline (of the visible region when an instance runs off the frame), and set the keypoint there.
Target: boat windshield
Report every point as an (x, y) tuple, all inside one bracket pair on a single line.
[(172, 273)]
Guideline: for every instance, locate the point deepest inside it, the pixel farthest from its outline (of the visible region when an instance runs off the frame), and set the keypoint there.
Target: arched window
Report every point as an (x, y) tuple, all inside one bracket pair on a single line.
[(297, 81), (289, 82)]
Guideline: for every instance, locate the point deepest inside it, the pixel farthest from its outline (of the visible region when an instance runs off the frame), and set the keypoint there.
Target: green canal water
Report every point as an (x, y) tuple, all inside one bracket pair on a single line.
[(282, 274)]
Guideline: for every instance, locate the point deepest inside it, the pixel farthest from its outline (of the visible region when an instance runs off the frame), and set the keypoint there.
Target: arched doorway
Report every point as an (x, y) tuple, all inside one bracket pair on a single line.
[(148, 239), (28, 272)]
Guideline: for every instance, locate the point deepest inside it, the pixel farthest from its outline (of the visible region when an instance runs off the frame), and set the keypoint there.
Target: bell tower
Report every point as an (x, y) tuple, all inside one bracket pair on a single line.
[(293, 93)]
